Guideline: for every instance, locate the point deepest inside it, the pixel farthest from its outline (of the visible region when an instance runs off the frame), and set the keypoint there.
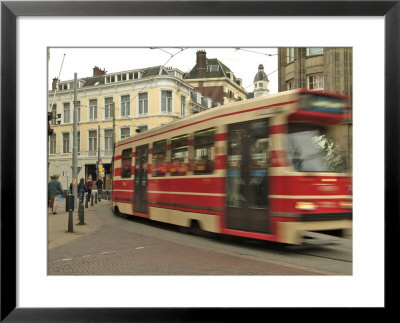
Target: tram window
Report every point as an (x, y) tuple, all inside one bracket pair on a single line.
[(203, 144), (311, 149), (159, 158), (179, 155), (126, 167)]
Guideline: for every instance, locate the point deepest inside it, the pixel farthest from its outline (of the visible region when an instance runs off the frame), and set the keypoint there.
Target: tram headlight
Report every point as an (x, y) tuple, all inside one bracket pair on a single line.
[(346, 204), (305, 206)]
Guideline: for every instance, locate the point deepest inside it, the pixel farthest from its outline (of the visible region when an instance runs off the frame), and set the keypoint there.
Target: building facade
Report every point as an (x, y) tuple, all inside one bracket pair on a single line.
[(325, 69), (214, 80), (328, 69), (111, 106)]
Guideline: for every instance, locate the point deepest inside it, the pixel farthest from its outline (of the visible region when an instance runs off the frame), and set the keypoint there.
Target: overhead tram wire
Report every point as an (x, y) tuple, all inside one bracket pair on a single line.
[(58, 80), (281, 55), (161, 67)]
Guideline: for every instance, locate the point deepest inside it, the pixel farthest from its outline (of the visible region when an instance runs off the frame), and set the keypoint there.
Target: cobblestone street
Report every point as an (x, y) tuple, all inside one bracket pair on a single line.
[(100, 248)]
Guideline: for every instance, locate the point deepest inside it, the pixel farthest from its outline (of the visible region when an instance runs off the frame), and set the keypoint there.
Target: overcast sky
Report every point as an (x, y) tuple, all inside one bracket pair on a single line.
[(243, 62)]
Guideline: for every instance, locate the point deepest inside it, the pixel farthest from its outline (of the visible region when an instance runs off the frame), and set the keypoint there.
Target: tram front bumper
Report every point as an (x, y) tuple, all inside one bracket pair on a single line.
[(292, 232)]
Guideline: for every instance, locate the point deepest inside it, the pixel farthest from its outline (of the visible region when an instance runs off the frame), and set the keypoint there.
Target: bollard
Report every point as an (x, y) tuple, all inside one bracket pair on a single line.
[(70, 225), (81, 214), (91, 200), (95, 198), (87, 201)]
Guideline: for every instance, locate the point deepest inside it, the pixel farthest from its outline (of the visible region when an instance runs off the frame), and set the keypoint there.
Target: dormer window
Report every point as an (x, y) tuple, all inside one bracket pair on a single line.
[(110, 79), (64, 86), (212, 68)]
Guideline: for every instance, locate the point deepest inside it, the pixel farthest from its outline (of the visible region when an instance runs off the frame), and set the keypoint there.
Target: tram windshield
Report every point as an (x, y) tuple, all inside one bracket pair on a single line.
[(311, 149)]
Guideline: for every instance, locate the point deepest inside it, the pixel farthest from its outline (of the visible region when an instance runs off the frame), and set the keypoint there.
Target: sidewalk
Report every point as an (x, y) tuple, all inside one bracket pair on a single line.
[(57, 224)]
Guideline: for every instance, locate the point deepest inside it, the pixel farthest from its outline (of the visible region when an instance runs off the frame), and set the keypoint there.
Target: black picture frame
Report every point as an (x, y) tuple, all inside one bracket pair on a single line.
[(10, 10)]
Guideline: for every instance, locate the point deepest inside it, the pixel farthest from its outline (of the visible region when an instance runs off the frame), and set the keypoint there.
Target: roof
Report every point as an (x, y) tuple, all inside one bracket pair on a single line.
[(147, 72), (261, 75), (223, 70)]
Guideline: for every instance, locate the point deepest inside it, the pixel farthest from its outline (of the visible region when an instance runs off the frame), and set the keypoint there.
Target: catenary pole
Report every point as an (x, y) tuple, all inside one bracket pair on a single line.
[(113, 112), (75, 145), (98, 151)]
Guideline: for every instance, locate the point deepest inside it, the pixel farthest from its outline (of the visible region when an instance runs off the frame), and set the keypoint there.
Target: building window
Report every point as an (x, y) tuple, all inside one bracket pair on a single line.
[(314, 51), (108, 142), (53, 144), (54, 115), (166, 101), (203, 145), (125, 106), (142, 128), (93, 109), (260, 85), (289, 55), (290, 85), (159, 166), (143, 104), (65, 136), (315, 82), (92, 142), (126, 165), (108, 106), (66, 112), (179, 155), (183, 106), (125, 132)]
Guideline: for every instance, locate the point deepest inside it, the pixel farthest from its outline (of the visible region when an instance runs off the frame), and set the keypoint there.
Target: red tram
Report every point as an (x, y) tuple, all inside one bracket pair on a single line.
[(268, 168)]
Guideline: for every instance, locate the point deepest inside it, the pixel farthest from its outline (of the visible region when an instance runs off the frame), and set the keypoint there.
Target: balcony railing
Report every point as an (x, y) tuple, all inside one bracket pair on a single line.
[(82, 153)]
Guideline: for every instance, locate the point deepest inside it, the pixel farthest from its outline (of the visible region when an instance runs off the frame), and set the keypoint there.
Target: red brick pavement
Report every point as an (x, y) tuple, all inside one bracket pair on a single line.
[(109, 250)]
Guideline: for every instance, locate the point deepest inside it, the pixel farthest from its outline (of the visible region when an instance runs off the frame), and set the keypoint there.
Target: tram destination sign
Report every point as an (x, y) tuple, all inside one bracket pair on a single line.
[(321, 103)]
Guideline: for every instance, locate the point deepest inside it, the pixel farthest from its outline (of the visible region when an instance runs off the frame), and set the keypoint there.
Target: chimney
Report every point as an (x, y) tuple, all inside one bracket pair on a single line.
[(54, 84), (98, 72), (201, 61)]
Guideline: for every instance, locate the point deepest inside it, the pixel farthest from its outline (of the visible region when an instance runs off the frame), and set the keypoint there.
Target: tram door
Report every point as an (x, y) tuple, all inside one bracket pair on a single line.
[(247, 176), (140, 179)]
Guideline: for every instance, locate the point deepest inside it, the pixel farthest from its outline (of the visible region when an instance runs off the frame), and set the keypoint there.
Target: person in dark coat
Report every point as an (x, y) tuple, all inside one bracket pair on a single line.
[(89, 185), (99, 185), (81, 189), (54, 189)]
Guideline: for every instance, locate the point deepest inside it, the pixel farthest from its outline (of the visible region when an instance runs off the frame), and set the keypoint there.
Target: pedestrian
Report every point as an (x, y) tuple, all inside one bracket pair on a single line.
[(81, 189), (54, 189), (99, 184), (89, 185)]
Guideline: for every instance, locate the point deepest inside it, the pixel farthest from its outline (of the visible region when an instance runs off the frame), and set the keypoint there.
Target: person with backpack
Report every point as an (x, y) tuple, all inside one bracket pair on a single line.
[(54, 189)]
